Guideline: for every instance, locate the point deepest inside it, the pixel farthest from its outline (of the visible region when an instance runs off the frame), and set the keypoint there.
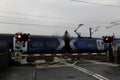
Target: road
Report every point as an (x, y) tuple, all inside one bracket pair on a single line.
[(111, 72), (66, 70)]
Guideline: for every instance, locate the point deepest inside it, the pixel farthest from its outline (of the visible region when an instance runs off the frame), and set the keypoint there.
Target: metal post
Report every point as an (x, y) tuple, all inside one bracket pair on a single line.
[(115, 52), (108, 59), (115, 58), (90, 29), (95, 29), (111, 56)]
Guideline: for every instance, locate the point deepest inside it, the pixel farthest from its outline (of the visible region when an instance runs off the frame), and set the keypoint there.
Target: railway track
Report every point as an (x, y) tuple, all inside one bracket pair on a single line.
[(49, 64)]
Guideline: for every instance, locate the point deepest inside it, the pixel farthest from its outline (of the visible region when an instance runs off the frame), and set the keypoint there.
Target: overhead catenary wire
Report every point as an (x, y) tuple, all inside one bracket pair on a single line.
[(39, 25), (35, 20), (87, 2), (29, 20), (111, 26), (47, 17), (9, 18), (24, 15), (113, 23), (55, 18), (71, 20)]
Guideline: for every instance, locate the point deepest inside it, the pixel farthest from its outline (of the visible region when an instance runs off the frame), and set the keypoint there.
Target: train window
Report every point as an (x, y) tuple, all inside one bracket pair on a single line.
[(91, 44), (51, 44), (37, 44), (3, 43), (99, 44)]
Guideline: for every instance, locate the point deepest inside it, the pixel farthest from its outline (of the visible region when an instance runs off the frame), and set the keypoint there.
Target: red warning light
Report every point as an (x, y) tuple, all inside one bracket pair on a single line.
[(19, 36), (108, 39), (22, 37)]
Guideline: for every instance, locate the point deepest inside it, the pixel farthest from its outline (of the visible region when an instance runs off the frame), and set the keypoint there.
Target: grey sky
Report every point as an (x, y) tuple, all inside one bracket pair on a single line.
[(49, 17)]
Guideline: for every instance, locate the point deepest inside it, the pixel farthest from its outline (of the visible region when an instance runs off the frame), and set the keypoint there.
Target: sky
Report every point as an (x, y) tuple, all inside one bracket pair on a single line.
[(54, 17)]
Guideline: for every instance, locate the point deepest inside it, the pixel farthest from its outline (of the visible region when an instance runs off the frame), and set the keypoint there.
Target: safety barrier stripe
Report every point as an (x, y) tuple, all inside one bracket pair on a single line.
[(66, 54)]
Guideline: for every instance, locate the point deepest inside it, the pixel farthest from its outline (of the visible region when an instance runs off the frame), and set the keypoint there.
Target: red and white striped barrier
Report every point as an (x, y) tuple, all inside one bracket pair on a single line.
[(65, 54)]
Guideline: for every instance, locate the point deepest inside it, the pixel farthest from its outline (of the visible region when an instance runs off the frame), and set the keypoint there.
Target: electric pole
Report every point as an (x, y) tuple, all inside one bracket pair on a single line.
[(90, 29), (91, 32)]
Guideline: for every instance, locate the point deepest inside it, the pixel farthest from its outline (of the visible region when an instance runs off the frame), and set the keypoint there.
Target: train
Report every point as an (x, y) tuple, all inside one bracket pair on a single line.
[(47, 47)]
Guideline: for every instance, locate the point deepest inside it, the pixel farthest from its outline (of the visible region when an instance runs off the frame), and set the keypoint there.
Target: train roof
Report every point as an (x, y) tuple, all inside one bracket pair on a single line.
[(2, 34), (53, 36)]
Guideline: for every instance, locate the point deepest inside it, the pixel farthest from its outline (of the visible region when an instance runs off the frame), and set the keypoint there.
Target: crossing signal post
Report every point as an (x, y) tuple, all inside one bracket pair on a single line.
[(20, 41), (108, 39), (22, 37)]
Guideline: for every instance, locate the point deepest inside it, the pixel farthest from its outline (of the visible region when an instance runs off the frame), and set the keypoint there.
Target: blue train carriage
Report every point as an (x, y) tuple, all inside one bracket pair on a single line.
[(116, 46), (96, 45), (86, 46), (117, 42), (6, 42), (7, 45), (44, 47), (45, 44)]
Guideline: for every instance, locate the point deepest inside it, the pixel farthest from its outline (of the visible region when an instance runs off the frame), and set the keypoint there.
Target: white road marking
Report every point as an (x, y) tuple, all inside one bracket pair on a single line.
[(95, 75), (105, 63), (34, 74)]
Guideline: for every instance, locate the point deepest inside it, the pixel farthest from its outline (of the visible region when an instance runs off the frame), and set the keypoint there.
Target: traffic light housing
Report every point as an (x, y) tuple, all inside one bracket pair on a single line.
[(22, 37), (108, 39)]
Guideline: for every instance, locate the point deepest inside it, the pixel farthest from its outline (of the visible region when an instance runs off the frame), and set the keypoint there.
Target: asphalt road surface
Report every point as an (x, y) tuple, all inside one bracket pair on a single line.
[(18, 74), (109, 71), (62, 73), (83, 70)]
